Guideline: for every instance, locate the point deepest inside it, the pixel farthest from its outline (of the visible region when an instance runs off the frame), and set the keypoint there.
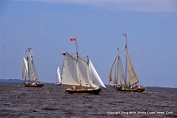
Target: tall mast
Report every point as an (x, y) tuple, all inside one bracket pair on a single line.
[(132, 76), (77, 54), (126, 71), (118, 51), (28, 61), (125, 36)]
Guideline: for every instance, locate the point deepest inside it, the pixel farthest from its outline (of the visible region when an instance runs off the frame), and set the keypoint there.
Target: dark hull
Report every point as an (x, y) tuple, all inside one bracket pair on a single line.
[(90, 91), (136, 89), (33, 84)]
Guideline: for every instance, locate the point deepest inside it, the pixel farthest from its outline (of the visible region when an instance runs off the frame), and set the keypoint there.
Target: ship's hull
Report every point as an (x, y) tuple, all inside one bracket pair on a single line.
[(129, 89), (82, 90), (33, 84)]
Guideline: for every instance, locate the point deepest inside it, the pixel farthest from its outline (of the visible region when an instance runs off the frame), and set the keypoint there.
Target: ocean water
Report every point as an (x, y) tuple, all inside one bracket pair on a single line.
[(50, 101)]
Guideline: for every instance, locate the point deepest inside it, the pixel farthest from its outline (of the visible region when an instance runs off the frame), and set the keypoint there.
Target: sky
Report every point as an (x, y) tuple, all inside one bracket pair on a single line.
[(47, 25)]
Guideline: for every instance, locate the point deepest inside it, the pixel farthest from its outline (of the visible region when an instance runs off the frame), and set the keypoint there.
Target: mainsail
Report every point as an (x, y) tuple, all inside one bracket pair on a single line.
[(115, 72), (117, 66), (110, 73), (24, 69), (34, 76), (132, 76), (83, 72), (69, 70), (120, 69)]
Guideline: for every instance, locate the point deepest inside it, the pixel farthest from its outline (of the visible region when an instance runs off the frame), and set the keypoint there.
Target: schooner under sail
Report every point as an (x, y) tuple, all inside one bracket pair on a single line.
[(133, 79), (29, 74), (80, 74)]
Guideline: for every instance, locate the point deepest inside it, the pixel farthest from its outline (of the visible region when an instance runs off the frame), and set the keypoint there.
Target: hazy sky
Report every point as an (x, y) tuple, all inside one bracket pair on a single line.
[(47, 25)]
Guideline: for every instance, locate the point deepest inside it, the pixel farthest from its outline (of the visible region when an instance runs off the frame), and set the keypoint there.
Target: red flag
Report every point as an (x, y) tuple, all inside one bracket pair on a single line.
[(124, 34), (72, 39)]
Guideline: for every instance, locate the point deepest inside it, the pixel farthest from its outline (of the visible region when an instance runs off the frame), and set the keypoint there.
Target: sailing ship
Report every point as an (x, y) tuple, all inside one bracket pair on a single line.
[(58, 77), (80, 74), (29, 74), (125, 85)]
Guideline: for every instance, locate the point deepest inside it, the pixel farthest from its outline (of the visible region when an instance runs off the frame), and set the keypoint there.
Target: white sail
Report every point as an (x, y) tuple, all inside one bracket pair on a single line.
[(58, 77), (25, 63), (94, 76), (83, 72), (34, 76), (120, 69), (132, 76), (24, 72), (110, 73), (69, 71)]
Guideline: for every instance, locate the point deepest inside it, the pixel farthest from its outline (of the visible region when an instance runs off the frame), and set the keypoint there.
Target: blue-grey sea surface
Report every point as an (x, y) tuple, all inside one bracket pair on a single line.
[(50, 101)]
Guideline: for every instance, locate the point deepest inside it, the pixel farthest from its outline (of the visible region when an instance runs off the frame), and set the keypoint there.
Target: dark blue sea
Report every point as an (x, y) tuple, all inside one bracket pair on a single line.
[(50, 101)]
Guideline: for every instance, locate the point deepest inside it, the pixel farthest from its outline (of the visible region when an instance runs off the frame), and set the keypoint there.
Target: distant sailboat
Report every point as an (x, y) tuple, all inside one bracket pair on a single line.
[(133, 80), (29, 74), (80, 74), (58, 77)]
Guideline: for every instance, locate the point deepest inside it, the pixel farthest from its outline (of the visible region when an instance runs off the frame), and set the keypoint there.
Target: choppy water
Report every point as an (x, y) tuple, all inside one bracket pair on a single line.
[(17, 101)]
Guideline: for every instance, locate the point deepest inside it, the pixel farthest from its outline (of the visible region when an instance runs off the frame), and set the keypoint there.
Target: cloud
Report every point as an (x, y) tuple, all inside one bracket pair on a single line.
[(127, 5)]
